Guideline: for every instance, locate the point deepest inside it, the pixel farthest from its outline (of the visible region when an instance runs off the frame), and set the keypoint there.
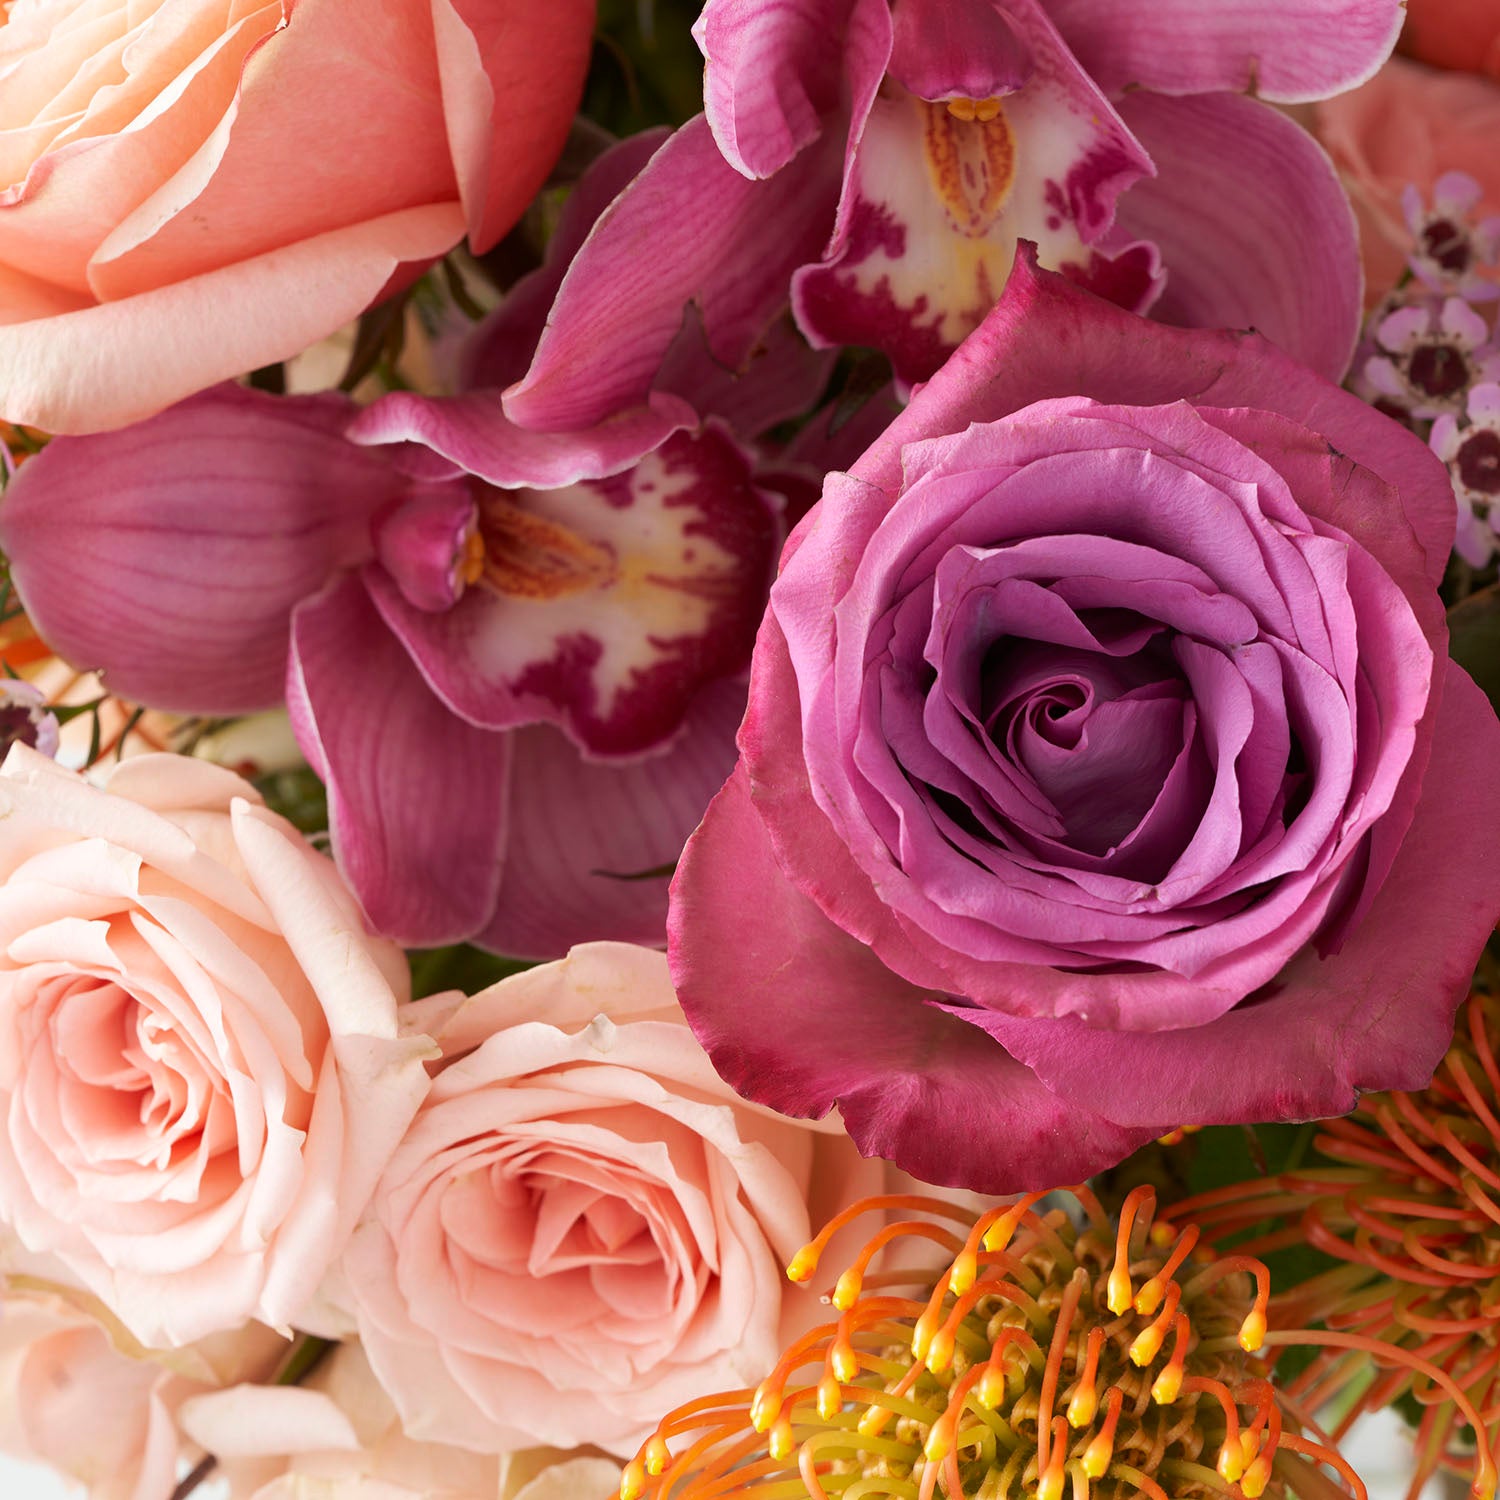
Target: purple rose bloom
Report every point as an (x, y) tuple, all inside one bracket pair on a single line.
[(1104, 767)]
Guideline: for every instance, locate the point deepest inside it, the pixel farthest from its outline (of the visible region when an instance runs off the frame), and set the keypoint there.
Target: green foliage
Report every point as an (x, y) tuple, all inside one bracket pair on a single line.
[(298, 796), (646, 69), (459, 966)]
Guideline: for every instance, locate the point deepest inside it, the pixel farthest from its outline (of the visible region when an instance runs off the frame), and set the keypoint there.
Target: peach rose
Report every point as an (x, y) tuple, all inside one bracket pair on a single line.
[(77, 1393), (1454, 34), (338, 1437), (200, 1072), (584, 1226), (1408, 124), (192, 188)]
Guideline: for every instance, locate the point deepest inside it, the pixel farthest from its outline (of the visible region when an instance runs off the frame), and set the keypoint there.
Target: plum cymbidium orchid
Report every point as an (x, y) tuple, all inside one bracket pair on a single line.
[(1413, 1211), (1105, 1359), (875, 162)]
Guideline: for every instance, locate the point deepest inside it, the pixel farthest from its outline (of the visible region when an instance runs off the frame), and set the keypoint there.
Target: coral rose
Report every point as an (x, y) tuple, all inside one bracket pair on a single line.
[(200, 1073), (583, 1226), (1408, 126), (189, 190), (1104, 768), (1461, 34)]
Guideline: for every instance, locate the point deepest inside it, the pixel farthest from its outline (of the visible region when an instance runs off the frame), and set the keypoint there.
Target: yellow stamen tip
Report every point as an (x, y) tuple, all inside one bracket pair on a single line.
[(781, 1444), (997, 1236), (940, 1351), (846, 1291), (962, 109), (1254, 1480), (871, 1423), (964, 1273), (764, 1408), (802, 1264), (830, 1398), (1167, 1386), (1148, 1299), (990, 1391), (1050, 1485), (658, 1457), (1253, 1331), (1145, 1346), (1231, 1462), (921, 1335), (845, 1363), (1118, 1292), (1082, 1407), (633, 1480), (985, 110), (1096, 1457), (938, 1443)]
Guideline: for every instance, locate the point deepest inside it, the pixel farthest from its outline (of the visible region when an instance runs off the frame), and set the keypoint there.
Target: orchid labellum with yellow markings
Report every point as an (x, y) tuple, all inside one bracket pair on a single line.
[(876, 161)]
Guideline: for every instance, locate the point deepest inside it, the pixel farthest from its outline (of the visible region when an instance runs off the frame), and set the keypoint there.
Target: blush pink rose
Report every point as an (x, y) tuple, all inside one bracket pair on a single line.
[(200, 1072), (78, 1394), (584, 1226), (338, 1436), (1408, 125), (190, 189)]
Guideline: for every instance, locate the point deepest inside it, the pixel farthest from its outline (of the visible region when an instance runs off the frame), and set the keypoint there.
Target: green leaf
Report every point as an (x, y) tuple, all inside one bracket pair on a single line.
[(1474, 639), (459, 966)]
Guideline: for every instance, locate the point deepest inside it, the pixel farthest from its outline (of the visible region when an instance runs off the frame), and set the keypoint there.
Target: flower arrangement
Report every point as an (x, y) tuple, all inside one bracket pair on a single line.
[(748, 749)]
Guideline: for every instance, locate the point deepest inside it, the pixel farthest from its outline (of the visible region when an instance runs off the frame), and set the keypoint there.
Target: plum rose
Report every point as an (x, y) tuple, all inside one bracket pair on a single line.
[(1104, 769), (583, 1225), (190, 189), (200, 1072)]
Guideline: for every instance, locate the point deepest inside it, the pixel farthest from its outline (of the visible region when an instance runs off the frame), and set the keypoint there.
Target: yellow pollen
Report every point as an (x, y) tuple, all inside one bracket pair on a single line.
[(471, 559), (1253, 1330), (961, 108), (940, 1438), (803, 1263), (982, 110), (782, 1443), (1253, 1481), (830, 1398), (1097, 1456), (846, 1292), (1231, 1459), (658, 1456), (1167, 1386), (965, 1269), (764, 1407), (844, 1362), (633, 1480)]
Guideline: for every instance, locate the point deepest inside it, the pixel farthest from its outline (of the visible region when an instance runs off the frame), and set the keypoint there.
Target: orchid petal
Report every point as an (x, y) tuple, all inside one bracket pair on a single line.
[(171, 553), (688, 229), (1251, 222), (416, 797), (772, 77), (591, 846), (1284, 50), (912, 1082)]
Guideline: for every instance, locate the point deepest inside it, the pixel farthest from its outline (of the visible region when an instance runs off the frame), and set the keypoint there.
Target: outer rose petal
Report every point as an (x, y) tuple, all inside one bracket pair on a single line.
[(1327, 1030), (1251, 222), (1454, 34), (171, 553), (912, 1083), (416, 797), (505, 125), (1283, 50), (63, 373), (1046, 338)]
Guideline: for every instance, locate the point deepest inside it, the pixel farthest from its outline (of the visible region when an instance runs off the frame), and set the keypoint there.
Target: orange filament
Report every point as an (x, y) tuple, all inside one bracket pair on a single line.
[(805, 1262), (1148, 1299), (1097, 1456), (1119, 1293), (1231, 1459), (1168, 1384), (1053, 1372), (1085, 1397), (851, 1283), (1050, 1483), (1148, 1342)]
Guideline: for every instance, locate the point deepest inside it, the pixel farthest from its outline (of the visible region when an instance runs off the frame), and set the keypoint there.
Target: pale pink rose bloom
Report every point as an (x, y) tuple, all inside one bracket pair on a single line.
[(193, 188), (76, 1392), (584, 1226), (1409, 125), (338, 1437), (201, 1076)]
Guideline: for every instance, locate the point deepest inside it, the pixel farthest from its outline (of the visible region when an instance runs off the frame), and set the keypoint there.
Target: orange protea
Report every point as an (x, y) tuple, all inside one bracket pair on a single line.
[(1040, 1356), (1413, 1212)]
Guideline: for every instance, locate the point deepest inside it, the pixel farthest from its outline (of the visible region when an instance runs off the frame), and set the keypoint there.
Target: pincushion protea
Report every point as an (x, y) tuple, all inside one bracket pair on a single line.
[(1413, 1212), (1051, 1351)]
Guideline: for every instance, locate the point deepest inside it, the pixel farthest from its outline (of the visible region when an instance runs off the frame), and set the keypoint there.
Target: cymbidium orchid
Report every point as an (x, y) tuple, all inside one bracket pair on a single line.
[(1046, 1352), (513, 658), (875, 162)]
